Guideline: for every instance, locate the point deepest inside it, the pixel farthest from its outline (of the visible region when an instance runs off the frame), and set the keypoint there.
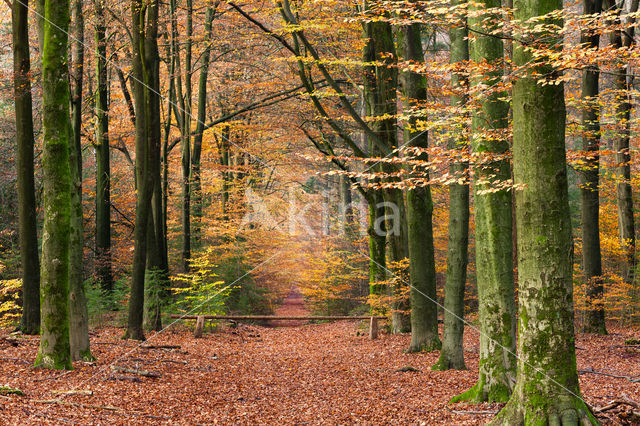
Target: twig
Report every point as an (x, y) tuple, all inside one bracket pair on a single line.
[(160, 347), (56, 377), (133, 379), (138, 372), (473, 411), (616, 402), (73, 392), (602, 373), (175, 361), (76, 404)]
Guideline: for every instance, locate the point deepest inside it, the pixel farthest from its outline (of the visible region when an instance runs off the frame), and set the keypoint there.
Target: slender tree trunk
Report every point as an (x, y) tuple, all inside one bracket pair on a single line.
[(54, 350), (145, 64), (103, 166), (589, 191), (347, 212), (196, 182), (28, 234), (547, 389), (622, 81), (78, 315), (422, 267), (380, 88), (377, 254), (494, 222), (452, 353), (224, 162), (186, 144)]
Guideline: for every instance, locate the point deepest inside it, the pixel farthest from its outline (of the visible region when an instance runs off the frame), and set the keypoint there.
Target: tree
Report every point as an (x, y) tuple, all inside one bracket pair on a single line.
[(28, 234), (547, 389), (78, 315), (54, 350), (493, 217), (103, 157), (589, 191), (422, 268), (452, 353), (144, 18)]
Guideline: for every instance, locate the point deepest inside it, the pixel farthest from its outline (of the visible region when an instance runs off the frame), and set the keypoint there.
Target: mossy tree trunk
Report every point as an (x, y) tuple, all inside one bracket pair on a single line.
[(547, 389), (54, 350), (422, 267), (28, 234), (78, 315), (452, 353), (589, 191), (493, 220), (104, 273)]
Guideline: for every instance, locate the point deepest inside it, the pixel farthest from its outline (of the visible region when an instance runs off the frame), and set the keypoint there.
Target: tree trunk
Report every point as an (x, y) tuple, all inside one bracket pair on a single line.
[(103, 166), (225, 144), (186, 144), (622, 81), (145, 66), (347, 212), (28, 234), (547, 389), (422, 267), (54, 350), (196, 182), (380, 93), (589, 191), (494, 221), (452, 353), (78, 315)]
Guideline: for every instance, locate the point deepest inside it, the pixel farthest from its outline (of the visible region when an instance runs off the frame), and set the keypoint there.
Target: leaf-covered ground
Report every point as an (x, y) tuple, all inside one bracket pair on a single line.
[(314, 373)]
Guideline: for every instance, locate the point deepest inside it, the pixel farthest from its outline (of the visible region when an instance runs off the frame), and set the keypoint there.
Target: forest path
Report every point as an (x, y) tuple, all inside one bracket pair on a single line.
[(292, 305), (316, 374)]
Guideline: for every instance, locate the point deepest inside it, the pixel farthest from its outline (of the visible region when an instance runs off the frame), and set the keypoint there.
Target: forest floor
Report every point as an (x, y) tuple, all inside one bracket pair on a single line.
[(311, 373)]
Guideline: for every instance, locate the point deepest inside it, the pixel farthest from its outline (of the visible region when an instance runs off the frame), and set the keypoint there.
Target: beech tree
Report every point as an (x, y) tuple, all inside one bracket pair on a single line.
[(452, 353), (493, 218), (30, 321), (547, 389), (78, 315), (54, 350)]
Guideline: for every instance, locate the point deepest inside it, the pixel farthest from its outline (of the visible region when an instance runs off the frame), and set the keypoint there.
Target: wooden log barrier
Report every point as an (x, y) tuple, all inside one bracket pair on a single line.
[(373, 320)]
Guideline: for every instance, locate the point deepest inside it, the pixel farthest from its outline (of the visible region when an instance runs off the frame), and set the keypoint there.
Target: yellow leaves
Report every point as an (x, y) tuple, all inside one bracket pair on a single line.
[(10, 310)]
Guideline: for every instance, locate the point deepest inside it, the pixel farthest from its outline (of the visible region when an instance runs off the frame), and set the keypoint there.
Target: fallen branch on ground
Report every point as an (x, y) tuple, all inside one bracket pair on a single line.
[(632, 379), (160, 347), (492, 412), (73, 392), (138, 372), (617, 402)]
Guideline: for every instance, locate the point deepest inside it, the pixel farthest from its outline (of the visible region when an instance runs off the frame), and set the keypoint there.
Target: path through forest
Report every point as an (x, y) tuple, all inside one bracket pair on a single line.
[(315, 373), (292, 305)]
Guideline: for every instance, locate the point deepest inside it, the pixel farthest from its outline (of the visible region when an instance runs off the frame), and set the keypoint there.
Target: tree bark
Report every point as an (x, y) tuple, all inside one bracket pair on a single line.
[(622, 81), (547, 389), (196, 183), (452, 353), (103, 161), (422, 267), (28, 234), (78, 315), (54, 350), (493, 220), (145, 64), (589, 191)]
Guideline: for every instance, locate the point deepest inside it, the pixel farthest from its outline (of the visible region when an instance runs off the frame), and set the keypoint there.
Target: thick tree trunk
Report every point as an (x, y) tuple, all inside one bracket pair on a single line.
[(377, 254), (422, 267), (103, 162), (589, 191), (54, 350), (28, 234), (547, 389), (493, 217), (452, 353), (78, 315)]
